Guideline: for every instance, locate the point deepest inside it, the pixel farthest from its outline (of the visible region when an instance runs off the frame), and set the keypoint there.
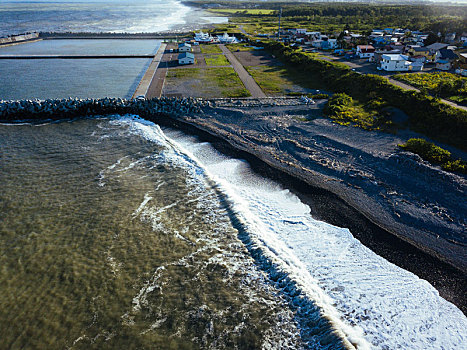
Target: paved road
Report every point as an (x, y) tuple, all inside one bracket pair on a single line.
[(245, 77)]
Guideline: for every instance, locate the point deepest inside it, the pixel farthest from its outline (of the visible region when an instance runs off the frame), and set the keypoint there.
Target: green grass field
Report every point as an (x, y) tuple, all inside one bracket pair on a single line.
[(210, 49), (216, 60), (205, 82), (239, 47)]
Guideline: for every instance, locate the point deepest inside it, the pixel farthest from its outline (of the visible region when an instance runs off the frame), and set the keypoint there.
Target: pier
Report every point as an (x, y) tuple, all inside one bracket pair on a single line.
[(41, 57), (150, 75)]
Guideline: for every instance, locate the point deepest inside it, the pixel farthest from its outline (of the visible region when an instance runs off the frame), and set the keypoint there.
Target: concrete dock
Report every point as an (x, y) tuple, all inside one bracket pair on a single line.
[(143, 87), (41, 57)]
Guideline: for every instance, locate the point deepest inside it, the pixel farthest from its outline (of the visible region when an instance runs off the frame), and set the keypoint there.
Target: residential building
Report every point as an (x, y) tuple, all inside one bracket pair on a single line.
[(436, 47), (399, 63), (422, 51), (186, 58), (184, 47), (365, 51)]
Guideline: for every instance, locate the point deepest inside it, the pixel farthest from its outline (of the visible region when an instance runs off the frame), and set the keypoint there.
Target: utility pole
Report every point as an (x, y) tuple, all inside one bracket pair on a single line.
[(280, 15)]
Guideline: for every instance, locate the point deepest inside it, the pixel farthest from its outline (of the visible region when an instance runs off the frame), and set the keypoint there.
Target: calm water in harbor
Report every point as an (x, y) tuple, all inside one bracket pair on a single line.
[(114, 233), (82, 78)]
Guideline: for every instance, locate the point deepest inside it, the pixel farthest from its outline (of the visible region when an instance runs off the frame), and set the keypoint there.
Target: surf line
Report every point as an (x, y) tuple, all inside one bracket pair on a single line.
[(320, 322)]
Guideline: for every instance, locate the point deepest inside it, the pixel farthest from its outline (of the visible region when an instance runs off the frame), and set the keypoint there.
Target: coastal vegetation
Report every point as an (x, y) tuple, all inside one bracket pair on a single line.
[(435, 155), (440, 84), (344, 110), (427, 114)]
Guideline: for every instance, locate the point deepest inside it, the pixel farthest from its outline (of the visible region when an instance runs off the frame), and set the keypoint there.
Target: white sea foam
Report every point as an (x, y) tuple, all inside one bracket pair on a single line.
[(367, 299)]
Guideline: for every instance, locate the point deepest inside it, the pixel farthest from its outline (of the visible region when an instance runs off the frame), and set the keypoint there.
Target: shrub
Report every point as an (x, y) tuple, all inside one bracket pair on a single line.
[(427, 150)]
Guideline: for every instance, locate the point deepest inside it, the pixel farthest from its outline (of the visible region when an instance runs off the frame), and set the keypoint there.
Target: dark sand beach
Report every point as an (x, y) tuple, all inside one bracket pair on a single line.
[(409, 212)]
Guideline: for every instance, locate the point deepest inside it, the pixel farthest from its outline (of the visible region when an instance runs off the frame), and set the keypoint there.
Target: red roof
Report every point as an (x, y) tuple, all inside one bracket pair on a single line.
[(366, 48)]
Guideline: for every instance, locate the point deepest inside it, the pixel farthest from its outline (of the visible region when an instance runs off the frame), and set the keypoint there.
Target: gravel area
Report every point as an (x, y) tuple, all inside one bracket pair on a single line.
[(420, 209)]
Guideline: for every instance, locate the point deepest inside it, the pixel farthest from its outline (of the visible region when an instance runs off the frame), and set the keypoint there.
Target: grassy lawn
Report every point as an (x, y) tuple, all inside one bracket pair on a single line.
[(239, 47), (205, 82), (210, 49), (216, 60), (272, 80), (440, 84)]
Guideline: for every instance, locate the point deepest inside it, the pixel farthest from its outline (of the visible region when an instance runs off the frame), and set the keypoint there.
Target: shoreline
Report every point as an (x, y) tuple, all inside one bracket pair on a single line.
[(328, 203), (326, 206)]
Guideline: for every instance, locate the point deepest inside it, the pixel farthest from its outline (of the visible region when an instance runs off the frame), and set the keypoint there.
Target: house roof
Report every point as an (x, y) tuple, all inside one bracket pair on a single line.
[(366, 47), (437, 46), (395, 57), (447, 54), (420, 49), (184, 44), (186, 55)]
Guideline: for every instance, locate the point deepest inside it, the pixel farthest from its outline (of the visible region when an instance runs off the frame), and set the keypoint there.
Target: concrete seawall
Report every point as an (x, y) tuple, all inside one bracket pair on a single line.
[(37, 57), (145, 82), (18, 38)]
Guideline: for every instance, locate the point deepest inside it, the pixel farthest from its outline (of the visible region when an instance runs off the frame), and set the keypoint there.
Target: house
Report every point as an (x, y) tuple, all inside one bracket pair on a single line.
[(184, 47), (422, 51), (445, 59), (443, 64), (399, 63), (332, 43), (463, 37), (420, 59), (365, 51), (378, 57), (436, 47), (314, 35), (450, 37), (186, 58)]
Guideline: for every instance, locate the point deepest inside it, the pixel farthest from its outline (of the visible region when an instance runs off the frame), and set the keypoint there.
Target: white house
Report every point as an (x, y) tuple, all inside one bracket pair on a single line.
[(186, 58), (332, 43), (399, 63), (365, 51), (184, 47)]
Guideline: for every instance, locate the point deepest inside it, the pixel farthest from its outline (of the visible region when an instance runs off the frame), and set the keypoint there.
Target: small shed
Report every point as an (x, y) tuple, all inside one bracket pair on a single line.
[(186, 58)]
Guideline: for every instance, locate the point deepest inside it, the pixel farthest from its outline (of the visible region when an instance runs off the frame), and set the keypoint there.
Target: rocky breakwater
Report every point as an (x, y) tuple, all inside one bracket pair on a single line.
[(28, 110)]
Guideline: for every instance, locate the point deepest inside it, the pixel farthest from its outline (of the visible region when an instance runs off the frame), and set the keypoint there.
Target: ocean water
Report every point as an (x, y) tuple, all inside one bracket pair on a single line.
[(100, 16), (114, 232)]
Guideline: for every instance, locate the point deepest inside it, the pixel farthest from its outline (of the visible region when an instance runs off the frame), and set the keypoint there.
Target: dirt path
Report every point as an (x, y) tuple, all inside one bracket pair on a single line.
[(245, 77)]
